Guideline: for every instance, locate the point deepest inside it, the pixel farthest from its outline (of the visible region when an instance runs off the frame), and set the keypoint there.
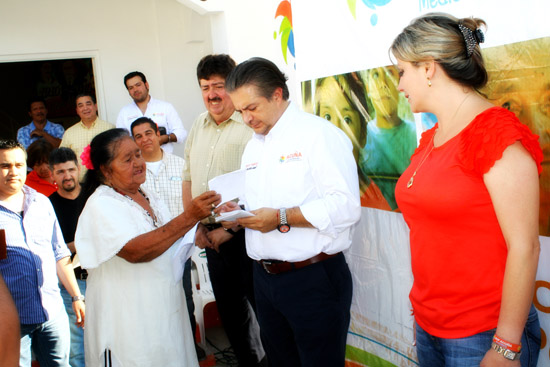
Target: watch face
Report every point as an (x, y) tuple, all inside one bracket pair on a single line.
[(508, 354), (283, 228)]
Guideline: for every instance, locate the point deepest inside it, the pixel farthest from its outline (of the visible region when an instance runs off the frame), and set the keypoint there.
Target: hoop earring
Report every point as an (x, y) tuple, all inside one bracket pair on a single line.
[(429, 82)]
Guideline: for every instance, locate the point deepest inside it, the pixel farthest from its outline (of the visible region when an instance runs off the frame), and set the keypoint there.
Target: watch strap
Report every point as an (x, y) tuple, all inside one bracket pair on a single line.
[(506, 353), (78, 298)]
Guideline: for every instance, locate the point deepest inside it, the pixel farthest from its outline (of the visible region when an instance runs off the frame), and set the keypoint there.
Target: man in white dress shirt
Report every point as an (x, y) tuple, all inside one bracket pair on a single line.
[(302, 186), (163, 113)]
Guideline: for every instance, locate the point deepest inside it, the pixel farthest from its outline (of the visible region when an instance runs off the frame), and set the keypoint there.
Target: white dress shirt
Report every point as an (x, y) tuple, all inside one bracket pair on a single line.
[(303, 161), (163, 113)]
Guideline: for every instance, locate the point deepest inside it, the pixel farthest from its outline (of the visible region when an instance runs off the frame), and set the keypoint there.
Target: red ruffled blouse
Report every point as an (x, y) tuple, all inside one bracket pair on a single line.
[(458, 251)]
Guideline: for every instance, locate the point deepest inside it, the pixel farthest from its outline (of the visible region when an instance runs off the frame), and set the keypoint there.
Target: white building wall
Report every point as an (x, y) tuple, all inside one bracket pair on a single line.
[(161, 38), (164, 39)]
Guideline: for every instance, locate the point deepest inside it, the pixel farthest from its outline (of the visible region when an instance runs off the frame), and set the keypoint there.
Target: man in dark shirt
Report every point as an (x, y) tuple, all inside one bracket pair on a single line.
[(65, 171)]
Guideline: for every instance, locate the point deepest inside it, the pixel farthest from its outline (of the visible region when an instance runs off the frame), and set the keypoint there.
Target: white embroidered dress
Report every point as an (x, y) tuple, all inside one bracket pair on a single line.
[(137, 311)]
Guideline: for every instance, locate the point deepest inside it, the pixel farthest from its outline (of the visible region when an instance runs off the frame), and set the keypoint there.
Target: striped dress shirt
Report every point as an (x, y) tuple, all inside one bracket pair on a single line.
[(34, 245)]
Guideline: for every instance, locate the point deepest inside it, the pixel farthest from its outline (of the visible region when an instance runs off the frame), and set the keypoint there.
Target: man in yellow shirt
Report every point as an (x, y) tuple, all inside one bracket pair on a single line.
[(78, 136), (214, 146)]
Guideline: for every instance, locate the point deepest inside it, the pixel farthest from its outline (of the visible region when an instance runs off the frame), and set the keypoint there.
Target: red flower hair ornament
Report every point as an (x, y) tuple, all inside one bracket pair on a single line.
[(85, 158)]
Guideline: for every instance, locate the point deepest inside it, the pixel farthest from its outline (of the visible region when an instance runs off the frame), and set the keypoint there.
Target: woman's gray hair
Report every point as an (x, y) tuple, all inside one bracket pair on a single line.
[(437, 36)]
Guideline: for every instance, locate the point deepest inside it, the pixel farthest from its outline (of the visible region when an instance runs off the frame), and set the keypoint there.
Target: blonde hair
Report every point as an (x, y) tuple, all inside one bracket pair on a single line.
[(437, 36)]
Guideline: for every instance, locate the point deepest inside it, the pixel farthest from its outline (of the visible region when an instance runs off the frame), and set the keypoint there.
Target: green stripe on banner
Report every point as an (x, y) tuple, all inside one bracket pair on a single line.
[(366, 358)]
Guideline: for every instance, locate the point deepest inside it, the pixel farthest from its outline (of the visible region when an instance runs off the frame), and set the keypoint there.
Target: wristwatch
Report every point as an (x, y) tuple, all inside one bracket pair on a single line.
[(283, 226), (506, 353), (78, 298)]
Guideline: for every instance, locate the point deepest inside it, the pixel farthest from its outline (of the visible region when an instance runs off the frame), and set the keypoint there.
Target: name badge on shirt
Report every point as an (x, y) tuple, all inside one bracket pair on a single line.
[(251, 166), (175, 178), (292, 157)]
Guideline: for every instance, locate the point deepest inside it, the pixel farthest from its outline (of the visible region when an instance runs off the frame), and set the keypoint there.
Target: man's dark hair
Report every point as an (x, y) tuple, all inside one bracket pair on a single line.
[(38, 152), (35, 99), (211, 65), (144, 120), (85, 94), (260, 72), (133, 74), (62, 155), (8, 144)]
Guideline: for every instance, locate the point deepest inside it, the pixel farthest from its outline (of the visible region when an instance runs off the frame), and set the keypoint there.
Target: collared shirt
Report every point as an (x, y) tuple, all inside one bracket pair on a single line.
[(24, 133), (78, 136), (303, 161), (35, 244), (212, 149), (166, 183), (163, 113)]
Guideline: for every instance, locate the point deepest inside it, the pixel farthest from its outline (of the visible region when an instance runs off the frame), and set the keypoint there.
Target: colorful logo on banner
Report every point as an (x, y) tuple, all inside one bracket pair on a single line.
[(372, 4), (285, 30)]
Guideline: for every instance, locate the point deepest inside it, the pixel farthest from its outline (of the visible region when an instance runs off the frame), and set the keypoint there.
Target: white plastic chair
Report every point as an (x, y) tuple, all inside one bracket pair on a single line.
[(203, 293)]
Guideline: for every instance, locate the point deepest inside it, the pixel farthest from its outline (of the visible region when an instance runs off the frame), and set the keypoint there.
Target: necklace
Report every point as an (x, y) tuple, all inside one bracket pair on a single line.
[(411, 180), (153, 216)]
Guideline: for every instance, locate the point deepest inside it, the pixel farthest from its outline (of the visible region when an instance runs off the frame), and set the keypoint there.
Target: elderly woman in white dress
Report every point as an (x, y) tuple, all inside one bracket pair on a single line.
[(136, 310)]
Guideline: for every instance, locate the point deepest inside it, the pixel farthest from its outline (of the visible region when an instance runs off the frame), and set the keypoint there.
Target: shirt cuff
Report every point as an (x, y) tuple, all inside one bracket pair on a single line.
[(181, 134), (316, 213)]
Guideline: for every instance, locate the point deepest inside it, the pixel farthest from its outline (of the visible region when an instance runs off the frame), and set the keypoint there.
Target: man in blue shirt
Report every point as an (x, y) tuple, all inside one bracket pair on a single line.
[(40, 127), (36, 256)]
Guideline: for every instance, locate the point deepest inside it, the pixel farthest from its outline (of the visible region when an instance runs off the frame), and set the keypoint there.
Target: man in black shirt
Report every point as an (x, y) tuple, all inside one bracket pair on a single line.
[(65, 169)]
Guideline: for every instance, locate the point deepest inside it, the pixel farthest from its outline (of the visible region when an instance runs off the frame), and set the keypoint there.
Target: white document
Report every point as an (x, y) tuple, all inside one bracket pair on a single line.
[(234, 215), (184, 250), (230, 186)]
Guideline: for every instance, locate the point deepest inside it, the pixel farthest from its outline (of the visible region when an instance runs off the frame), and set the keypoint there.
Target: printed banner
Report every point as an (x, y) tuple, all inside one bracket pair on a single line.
[(343, 63)]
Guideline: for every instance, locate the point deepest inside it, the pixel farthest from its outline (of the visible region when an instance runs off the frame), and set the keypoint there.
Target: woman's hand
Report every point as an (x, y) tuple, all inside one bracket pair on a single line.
[(203, 205), (228, 206)]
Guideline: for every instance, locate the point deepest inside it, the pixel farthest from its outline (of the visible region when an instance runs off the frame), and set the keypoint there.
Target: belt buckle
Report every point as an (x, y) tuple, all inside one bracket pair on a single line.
[(266, 264)]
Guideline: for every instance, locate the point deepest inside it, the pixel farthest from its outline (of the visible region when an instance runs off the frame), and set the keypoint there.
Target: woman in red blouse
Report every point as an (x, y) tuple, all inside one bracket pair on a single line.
[(470, 197)]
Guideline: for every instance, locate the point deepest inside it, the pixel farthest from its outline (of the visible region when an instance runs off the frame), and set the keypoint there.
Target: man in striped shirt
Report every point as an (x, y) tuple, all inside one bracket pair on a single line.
[(36, 257)]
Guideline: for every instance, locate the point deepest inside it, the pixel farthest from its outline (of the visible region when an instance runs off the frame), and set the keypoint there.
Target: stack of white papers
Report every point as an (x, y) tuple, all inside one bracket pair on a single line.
[(230, 186), (234, 215)]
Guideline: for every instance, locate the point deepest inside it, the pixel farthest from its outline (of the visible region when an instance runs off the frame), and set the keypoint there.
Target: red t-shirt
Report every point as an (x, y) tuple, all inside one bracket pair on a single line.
[(458, 252)]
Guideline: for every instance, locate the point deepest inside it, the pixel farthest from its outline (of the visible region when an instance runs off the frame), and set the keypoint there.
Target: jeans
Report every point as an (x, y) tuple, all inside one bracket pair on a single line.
[(468, 352), (76, 358), (49, 341)]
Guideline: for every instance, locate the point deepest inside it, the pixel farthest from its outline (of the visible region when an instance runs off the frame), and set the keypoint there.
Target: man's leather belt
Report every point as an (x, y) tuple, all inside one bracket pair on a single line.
[(277, 266)]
